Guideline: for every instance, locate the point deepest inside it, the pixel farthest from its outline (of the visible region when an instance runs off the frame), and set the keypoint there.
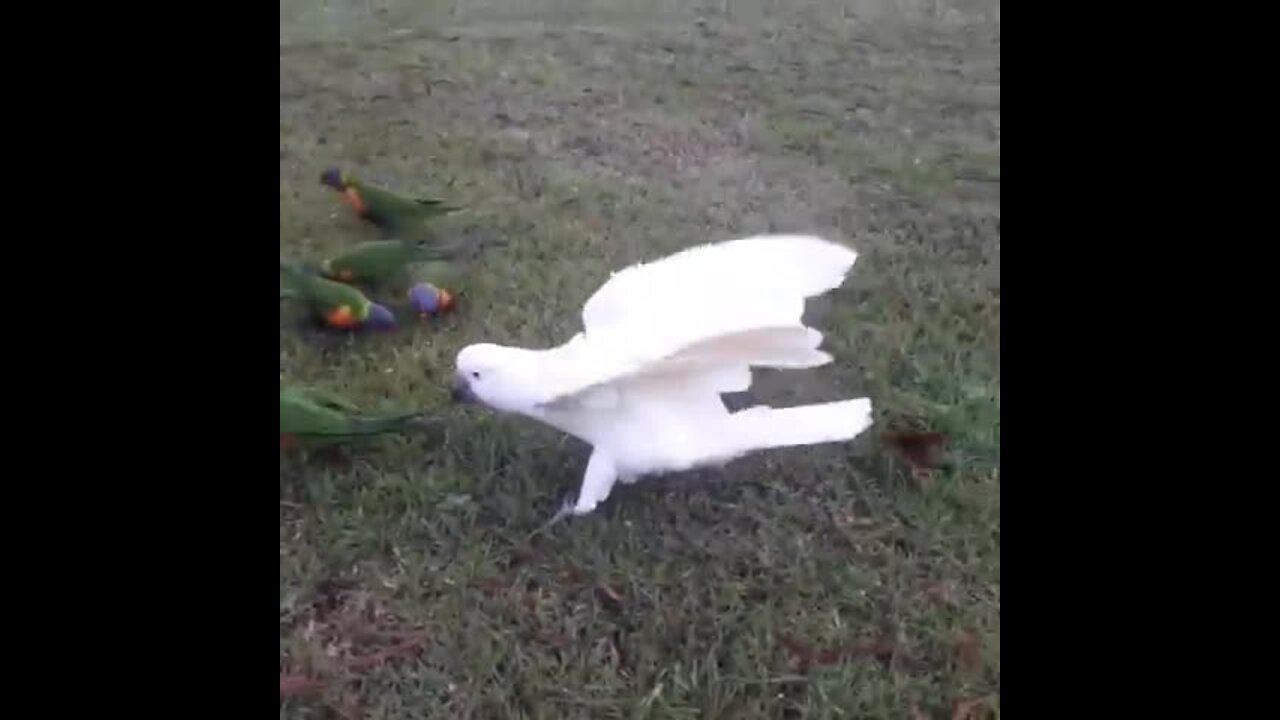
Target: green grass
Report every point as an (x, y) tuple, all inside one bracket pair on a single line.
[(706, 595)]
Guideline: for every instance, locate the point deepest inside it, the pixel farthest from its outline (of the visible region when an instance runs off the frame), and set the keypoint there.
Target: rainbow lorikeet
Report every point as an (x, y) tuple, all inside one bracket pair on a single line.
[(336, 305), (379, 262), (312, 418), (394, 214)]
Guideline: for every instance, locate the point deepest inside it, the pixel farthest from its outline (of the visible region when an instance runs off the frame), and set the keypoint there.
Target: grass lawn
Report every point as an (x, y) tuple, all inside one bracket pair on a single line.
[(804, 583)]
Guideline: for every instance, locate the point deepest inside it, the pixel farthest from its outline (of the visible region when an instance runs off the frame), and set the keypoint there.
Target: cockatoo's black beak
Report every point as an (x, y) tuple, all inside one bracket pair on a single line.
[(460, 391)]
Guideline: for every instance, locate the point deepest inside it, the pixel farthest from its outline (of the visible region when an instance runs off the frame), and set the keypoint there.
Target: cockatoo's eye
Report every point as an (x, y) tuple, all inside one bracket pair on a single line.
[(475, 374)]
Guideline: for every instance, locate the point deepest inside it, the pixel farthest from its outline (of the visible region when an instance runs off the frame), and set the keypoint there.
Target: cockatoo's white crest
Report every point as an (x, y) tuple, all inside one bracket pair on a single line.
[(661, 342)]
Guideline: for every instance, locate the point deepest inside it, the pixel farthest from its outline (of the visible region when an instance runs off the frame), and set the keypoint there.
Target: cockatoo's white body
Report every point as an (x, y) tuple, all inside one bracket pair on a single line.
[(661, 342)]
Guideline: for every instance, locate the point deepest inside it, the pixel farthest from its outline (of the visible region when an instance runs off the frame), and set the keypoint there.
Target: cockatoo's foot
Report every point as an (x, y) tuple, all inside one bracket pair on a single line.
[(566, 509), (596, 483)]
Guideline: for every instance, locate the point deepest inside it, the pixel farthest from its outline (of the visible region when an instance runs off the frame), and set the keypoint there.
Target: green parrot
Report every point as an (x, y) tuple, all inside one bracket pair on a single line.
[(393, 214), (378, 263), (313, 418), (335, 304)]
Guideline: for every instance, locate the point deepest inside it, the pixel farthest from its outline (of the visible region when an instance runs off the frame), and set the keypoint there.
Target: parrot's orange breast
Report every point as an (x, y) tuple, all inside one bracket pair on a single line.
[(341, 317), (356, 202)]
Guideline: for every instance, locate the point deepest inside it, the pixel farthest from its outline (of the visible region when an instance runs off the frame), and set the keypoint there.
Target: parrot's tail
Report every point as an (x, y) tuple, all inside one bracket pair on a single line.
[(763, 427), (388, 424), (426, 251)]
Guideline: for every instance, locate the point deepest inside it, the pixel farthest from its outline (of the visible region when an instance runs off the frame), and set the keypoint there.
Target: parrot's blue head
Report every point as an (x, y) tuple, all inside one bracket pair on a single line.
[(380, 318), (427, 299), (334, 178)]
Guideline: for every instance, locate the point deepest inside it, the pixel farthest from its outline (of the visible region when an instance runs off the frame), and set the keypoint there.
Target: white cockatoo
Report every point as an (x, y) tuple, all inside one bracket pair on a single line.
[(661, 342)]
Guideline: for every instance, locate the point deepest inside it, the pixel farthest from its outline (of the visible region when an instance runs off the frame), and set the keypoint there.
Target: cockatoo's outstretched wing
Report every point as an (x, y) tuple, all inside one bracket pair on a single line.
[(721, 308)]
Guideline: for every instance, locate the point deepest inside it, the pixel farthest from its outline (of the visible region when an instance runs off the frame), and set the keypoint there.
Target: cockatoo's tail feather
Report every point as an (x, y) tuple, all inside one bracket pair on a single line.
[(763, 427)]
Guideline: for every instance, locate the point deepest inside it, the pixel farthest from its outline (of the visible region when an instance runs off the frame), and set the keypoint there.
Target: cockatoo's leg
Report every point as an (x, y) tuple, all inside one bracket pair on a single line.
[(596, 484)]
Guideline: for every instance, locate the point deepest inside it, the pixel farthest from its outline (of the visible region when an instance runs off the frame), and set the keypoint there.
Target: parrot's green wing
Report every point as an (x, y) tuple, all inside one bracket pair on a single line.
[(389, 207), (379, 262), (302, 417), (329, 399)]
